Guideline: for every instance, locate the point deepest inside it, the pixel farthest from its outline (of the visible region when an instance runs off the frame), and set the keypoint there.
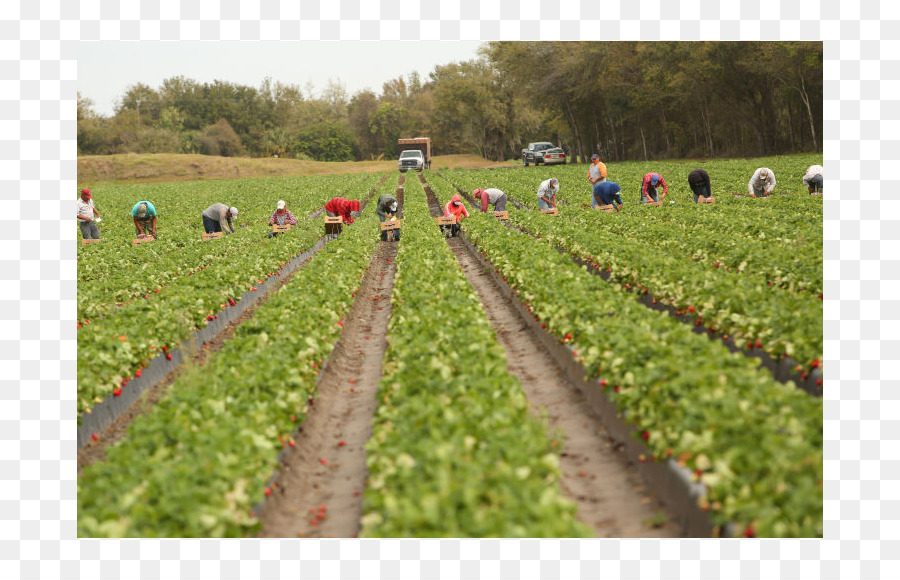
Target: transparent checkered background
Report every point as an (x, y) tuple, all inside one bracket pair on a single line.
[(39, 43)]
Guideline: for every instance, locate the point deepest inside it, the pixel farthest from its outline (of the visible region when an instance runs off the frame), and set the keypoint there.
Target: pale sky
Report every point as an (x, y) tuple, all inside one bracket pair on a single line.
[(106, 69)]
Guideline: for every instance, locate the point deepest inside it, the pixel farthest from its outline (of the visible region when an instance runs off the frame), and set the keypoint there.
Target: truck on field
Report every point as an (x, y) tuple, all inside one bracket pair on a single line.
[(534, 153), (414, 154)]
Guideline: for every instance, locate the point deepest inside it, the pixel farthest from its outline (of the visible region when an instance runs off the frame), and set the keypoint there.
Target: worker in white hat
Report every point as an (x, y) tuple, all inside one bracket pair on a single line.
[(762, 183), (281, 216), (218, 218)]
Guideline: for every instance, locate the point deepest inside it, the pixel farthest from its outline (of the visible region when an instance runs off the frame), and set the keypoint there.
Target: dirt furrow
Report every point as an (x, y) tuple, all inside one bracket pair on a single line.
[(327, 468), (610, 494)]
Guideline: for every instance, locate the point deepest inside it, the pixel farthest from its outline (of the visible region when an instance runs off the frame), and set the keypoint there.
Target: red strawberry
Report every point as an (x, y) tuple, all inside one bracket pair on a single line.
[(568, 336), (291, 442), (138, 373), (209, 317), (95, 437), (268, 491), (749, 345), (617, 388), (168, 356), (645, 435), (691, 309), (819, 382), (314, 523), (351, 381), (293, 418), (749, 532), (815, 363), (323, 462), (603, 382), (341, 443), (341, 323)]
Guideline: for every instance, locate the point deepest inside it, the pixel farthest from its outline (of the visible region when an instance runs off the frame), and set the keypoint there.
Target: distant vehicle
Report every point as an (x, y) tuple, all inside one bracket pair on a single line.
[(552, 156), (411, 159), (535, 152), (408, 148)]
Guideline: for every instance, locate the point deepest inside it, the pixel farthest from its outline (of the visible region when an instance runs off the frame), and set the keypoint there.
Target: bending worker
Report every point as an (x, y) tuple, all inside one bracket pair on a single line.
[(492, 196), (813, 179), (547, 193), (340, 206), (386, 209), (281, 216), (144, 215), (607, 193), (650, 188), (698, 179), (217, 218), (762, 183), (455, 208)]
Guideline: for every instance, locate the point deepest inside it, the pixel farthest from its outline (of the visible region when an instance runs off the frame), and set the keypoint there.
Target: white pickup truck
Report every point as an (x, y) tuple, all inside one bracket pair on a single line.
[(411, 159)]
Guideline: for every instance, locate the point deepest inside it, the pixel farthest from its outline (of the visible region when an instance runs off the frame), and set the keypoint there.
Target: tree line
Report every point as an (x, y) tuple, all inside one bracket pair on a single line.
[(623, 100)]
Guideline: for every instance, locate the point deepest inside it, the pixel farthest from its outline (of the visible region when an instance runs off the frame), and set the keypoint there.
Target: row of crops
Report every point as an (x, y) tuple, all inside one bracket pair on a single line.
[(756, 444), (454, 450)]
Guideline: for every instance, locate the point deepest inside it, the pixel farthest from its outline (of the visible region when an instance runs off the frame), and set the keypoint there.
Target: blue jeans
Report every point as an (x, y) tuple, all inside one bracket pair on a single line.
[(543, 204), (700, 190), (815, 184), (211, 226), (652, 195)]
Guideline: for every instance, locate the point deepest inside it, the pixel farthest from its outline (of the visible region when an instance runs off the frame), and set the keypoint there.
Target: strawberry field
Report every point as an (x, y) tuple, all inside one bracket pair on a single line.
[(692, 333)]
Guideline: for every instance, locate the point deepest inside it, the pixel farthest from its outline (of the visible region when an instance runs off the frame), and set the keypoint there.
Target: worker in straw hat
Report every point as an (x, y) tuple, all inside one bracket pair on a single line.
[(218, 218), (281, 216), (144, 215), (86, 214), (762, 183)]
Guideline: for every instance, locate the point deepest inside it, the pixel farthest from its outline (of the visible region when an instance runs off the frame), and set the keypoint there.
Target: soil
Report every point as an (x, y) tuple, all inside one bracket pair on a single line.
[(342, 413), (609, 492)]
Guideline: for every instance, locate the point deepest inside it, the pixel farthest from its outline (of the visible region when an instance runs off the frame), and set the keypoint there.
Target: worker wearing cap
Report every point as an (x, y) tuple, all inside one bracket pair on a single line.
[(144, 215), (650, 188), (698, 180), (455, 208), (281, 216), (597, 170), (492, 196), (762, 183), (385, 209), (217, 218), (813, 179), (340, 206), (547, 193), (607, 193), (86, 213)]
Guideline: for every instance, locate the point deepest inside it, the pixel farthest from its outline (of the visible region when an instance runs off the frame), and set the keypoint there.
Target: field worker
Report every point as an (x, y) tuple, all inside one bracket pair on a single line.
[(386, 209), (813, 179), (762, 183), (698, 179), (547, 193), (455, 208), (650, 187), (607, 193), (144, 215), (281, 216), (492, 196), (217, 218), (339, 206), (86, 213), (597, 170)]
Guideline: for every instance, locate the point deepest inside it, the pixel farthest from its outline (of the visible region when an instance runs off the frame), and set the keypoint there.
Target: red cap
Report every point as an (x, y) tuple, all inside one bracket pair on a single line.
[(86, 192)]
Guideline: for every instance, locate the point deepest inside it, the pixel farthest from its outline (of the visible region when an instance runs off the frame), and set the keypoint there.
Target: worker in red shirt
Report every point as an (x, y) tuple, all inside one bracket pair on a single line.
[(454, 208), (339, 206), (650, 186)]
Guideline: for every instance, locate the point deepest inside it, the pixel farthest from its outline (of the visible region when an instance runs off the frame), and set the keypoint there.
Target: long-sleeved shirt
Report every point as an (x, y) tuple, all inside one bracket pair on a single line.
[(342, 207), (282, 218), (699, 178), (597, 172), (608, 192), (812, 172), (546, 191), (219, 212), (384, 205), (646, 183), (757, 184), (491, 196), (457, 211)]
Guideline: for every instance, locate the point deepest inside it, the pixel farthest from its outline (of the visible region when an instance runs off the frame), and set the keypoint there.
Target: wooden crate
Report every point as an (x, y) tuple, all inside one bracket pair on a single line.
[(204, 236), (553, 211), (280, 228), (333, 225), (390, 225), (501, 215), (143, 240), (445, 220), (606, 208), (86, 242)]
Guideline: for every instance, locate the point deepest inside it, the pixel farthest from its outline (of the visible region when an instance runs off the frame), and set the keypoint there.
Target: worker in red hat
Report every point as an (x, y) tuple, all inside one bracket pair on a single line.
[(492, 196), (340, 206), (86, 214)]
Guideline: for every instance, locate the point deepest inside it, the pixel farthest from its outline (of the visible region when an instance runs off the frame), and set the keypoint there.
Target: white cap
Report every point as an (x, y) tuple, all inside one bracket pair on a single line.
[(763, 173), (394, 206), (232, 211), (280, 204)]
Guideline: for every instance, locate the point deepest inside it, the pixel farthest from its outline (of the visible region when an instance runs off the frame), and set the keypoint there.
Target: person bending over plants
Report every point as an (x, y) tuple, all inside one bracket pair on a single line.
[(454, 208), (342, 207)]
